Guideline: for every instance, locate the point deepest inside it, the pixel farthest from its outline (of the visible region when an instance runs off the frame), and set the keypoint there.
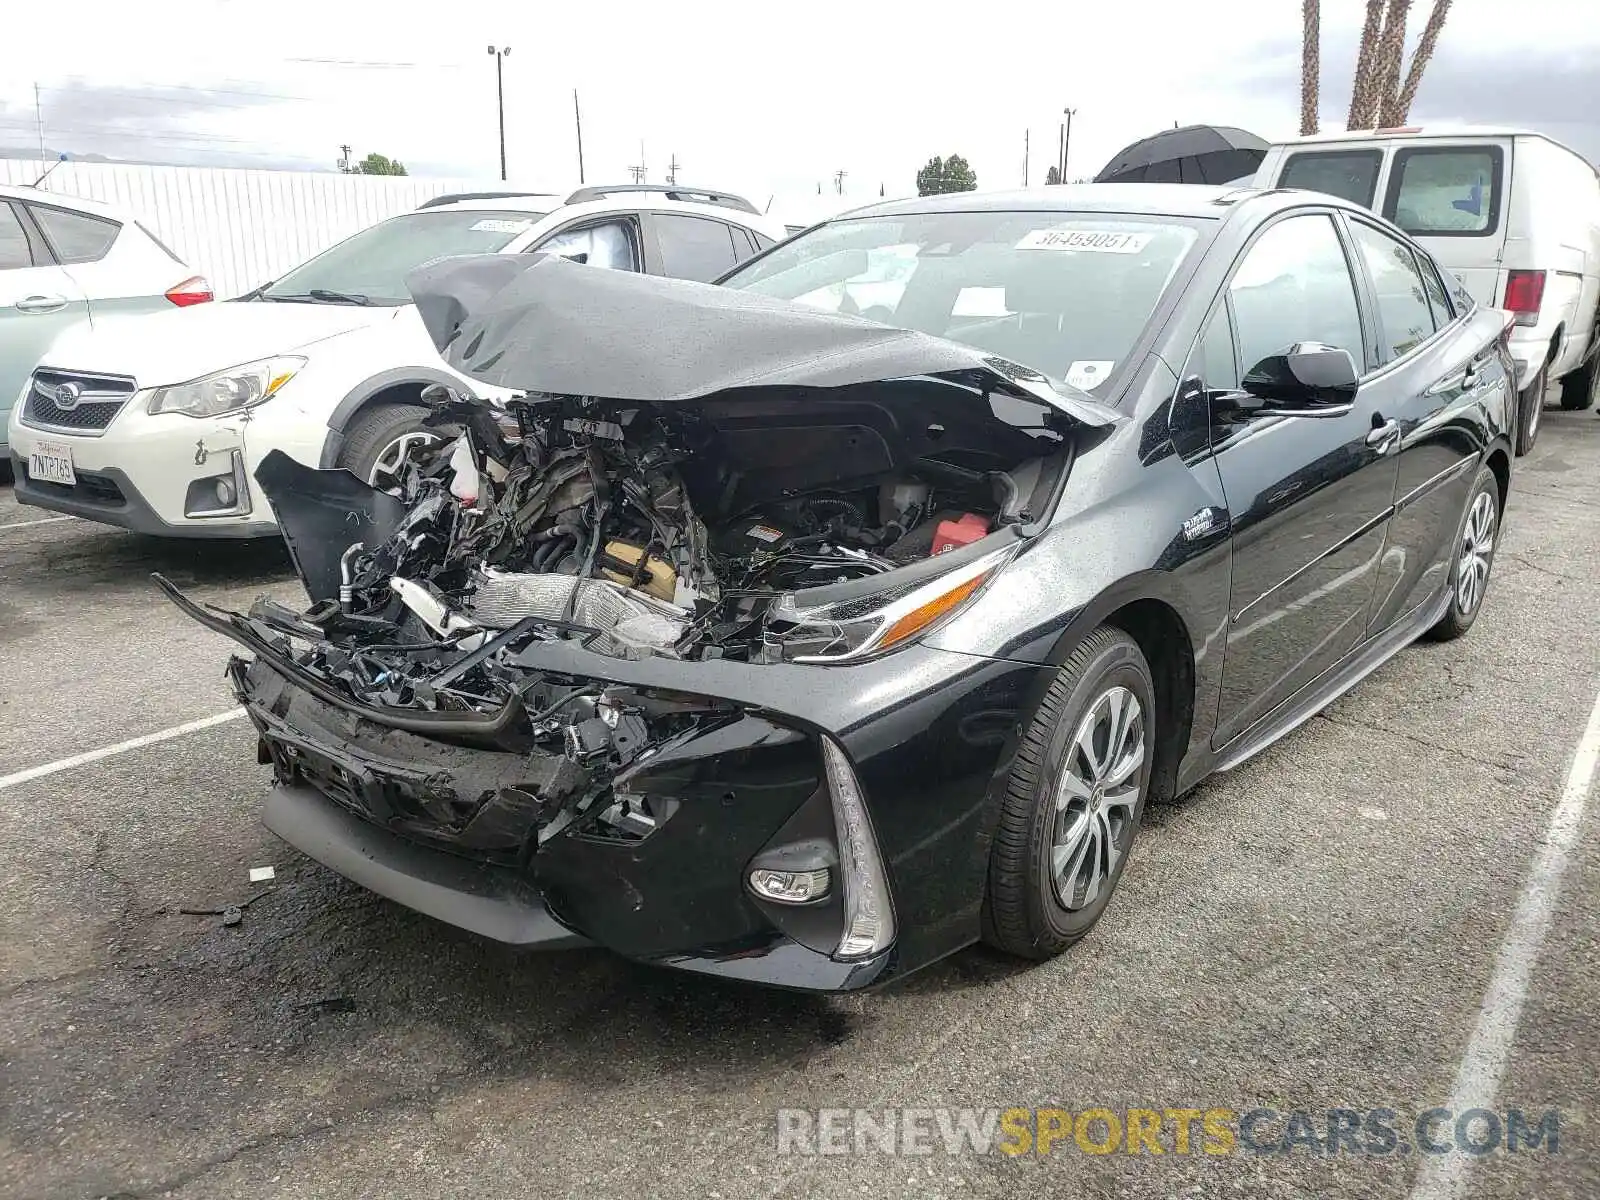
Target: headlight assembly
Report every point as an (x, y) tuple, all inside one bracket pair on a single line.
[(228, 391), (874, 623)]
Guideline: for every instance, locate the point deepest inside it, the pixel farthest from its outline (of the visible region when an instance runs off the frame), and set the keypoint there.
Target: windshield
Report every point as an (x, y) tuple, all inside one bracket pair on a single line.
[(1064, 293), (374, 263)]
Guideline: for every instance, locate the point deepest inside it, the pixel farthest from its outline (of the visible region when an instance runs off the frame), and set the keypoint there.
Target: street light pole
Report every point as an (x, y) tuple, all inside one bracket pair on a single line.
[(1066, 141), (500, 98)]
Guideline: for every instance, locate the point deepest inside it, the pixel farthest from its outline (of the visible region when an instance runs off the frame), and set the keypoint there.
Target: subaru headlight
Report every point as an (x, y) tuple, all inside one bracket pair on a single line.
[(227, 391), (876, 622)]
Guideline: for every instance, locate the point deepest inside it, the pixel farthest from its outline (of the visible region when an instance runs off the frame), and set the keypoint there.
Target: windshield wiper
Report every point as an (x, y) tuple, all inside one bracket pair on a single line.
[(323, 296)]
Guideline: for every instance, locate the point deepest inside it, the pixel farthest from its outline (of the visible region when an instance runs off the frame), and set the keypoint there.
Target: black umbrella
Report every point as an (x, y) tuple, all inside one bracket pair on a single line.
[(1193, 154)]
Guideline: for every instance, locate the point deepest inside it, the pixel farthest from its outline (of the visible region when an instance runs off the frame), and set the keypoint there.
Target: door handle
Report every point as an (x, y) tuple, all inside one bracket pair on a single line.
[(41, 304), (1469, 377), (1383, 436)]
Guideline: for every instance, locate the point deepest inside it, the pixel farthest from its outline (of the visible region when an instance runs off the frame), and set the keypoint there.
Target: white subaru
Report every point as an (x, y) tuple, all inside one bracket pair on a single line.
[(156, 423)]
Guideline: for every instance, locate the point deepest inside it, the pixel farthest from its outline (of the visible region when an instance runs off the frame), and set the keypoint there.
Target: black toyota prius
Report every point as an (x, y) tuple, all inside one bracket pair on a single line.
[(809, 627)]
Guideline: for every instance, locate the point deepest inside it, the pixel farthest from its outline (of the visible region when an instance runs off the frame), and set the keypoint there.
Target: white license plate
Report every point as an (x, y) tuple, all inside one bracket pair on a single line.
[(51, 462)]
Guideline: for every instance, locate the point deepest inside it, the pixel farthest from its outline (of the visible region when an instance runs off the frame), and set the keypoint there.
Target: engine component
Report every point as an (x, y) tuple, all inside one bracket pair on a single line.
[(759, 534), (902, 502), (950, 535), (659, 579), (625, 618)]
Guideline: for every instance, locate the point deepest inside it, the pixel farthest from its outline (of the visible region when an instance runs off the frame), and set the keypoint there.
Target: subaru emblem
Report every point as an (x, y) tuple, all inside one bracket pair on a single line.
[(66, 395)]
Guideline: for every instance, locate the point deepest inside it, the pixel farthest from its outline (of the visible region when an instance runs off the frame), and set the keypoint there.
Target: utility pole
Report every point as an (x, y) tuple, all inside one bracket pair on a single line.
[(672, 168), (38, 116), (500, 98), (344, 159), (1025, 134), (577, 117), (639, 173), (1066, 141), (838, 181)]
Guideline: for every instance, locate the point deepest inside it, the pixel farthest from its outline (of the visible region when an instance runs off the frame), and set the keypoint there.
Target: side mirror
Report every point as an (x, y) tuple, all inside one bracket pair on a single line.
[(1309, 379)]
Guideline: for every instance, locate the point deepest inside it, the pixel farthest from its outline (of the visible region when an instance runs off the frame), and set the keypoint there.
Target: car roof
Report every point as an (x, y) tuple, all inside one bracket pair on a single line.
[(598, 201), (1194, 201), (41, 196), (1422, 134)]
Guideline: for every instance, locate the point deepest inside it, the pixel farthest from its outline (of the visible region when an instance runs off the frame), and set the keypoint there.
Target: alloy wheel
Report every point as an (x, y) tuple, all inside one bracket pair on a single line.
[(387, 467), (1097, 797), (1477, 548)]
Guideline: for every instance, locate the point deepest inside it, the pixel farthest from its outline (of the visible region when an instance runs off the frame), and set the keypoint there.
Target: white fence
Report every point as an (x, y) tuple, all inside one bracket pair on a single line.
[(240, 228)]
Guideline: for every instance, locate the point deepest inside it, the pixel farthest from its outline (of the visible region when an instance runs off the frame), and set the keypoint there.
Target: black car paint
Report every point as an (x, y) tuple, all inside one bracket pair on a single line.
[(1261, 562)]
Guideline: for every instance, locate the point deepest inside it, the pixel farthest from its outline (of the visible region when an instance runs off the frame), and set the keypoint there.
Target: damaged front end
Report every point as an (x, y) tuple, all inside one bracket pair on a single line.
[(548, 685)]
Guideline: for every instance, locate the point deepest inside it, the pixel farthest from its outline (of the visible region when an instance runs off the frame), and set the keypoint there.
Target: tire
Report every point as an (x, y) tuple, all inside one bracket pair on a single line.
[(1530, 407), (1473, 539), (1024, 910), (377, 434), (1579, 389)]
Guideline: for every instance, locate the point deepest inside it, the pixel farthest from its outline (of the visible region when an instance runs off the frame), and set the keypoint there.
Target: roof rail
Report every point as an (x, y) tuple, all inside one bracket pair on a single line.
[(672, 191), (453, 197)]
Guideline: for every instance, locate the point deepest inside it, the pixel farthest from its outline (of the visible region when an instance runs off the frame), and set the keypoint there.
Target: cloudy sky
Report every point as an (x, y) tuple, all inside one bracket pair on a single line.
[(768, 99)]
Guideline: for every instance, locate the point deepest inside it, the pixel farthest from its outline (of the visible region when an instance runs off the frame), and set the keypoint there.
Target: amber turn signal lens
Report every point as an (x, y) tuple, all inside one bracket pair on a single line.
[(920, 618)]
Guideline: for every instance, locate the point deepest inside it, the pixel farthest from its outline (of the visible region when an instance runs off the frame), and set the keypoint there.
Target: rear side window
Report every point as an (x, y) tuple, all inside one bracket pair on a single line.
[(1445, 191), (1349, 174), (1405, 318), (1438, 298), (695, 248), (762, 242), (75, 237), (14, 251)]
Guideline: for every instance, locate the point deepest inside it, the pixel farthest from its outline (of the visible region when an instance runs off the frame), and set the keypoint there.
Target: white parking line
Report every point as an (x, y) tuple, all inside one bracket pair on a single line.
[(40, 521), (149, 739), (1484, 1063)]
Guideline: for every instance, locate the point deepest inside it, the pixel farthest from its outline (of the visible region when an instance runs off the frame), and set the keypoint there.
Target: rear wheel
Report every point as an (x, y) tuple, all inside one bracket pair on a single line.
[(1530, 406), (381, 438), (1475, 543), (1579, 389), (1074, 799)]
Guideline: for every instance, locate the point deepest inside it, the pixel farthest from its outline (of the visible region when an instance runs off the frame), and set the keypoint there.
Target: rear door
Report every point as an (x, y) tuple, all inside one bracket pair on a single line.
[(1452, 197), (693, 247), (1435, 368), (1309, 497), (38, 299)]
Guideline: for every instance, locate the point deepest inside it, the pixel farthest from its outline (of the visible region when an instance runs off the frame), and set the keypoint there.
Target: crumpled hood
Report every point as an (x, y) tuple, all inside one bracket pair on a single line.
[(163, 348), (541, 323)]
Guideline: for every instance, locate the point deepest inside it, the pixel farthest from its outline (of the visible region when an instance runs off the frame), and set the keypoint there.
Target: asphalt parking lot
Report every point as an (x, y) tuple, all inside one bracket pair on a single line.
[(1318, 928)]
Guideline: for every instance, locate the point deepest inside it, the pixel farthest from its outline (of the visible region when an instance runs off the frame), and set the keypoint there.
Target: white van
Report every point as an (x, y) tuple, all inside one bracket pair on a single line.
[(1514, 214)]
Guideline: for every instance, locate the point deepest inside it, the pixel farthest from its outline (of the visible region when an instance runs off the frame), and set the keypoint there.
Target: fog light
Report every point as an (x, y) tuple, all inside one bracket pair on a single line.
[(225, 493), (790, 887)]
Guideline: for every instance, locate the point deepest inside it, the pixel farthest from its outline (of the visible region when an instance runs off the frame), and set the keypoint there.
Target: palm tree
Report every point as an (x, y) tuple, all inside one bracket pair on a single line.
[(1310, 66), (1400, 112), (1363, 96)]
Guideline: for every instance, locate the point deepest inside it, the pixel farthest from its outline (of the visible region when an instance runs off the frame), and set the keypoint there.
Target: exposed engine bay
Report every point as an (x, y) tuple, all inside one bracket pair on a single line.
[(630, 529)]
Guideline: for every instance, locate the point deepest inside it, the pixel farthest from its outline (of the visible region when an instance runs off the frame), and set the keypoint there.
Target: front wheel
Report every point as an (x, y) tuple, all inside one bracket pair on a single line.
[(380, 440), (1469, 575), (1074, 799)]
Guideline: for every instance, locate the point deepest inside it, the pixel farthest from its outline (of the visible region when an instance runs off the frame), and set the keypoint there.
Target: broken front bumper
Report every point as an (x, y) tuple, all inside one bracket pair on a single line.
[(450, 829)]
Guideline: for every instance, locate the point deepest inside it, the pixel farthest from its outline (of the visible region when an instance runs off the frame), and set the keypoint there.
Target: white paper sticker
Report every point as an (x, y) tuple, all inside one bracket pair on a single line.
[(262, 874), (1097, 241), (764, 533), (1086, 374), (498, 225)]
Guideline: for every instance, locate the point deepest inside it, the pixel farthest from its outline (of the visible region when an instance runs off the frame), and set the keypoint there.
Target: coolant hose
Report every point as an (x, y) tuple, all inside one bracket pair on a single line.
[(347, 590)]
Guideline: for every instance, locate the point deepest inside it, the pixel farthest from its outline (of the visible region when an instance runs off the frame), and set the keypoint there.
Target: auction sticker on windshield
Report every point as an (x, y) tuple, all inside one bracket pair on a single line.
[(51, 462), (499, 225), (1098, 241)]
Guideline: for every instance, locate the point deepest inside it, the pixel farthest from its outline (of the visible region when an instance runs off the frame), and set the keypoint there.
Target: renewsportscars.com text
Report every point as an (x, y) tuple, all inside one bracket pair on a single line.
[(1373, 1132)]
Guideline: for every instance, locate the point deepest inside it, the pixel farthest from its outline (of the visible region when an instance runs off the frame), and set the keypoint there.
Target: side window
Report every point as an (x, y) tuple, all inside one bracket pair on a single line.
[(75, 237), (697, 248), (1349, 174), (1405, 321), (1213, 357), (743, 245), (1445, 191), (761, 240), (1294, 285), (14, 250), (1438, 298), (609, 245)]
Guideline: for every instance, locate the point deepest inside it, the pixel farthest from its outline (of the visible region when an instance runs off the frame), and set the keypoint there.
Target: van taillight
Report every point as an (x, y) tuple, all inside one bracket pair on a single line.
[(1524, 295), (193, 290)]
